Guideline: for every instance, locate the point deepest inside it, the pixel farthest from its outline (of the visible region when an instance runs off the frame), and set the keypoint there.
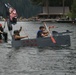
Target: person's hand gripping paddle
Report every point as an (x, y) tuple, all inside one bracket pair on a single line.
[(52, 38)]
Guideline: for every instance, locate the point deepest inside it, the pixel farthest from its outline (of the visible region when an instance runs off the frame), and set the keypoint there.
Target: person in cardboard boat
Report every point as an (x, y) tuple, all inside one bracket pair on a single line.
[(17, 36), (42, 32)]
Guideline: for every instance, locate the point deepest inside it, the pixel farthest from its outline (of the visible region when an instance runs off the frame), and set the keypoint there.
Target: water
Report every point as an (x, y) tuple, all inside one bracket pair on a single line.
[(36, 61)]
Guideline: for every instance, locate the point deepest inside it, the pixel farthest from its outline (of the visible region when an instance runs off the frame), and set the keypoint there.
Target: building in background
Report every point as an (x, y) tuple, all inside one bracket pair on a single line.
[(54, 12)]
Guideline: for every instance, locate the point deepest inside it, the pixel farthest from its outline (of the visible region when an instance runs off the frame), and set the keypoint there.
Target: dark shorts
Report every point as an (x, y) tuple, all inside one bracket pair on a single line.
[(0, 36), (9, 25)]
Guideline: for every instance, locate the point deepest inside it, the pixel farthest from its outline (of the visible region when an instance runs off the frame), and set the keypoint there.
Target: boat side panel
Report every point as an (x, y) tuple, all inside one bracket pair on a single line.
[(16, 43), (45, 42), (29, 42), (63, 40)]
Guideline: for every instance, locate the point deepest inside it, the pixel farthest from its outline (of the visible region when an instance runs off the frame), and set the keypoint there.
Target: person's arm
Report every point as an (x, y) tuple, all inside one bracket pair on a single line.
[(20, 37), (20, 29), (44, 34)]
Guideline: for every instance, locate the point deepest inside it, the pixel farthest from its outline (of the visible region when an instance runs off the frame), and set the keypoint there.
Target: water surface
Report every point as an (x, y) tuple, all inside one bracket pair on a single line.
[(38, 61)]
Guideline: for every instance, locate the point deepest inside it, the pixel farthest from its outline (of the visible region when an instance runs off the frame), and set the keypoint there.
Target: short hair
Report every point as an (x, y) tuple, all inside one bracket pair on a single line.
[(41, 27), (16, 31)]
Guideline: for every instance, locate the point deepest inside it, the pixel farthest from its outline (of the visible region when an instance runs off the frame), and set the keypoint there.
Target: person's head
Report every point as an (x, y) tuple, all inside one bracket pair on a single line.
[(0, 25), (16, 32), (42, 28)]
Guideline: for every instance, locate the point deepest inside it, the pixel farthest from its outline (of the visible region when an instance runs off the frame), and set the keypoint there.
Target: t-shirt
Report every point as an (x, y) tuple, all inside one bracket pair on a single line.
[(39, 34)]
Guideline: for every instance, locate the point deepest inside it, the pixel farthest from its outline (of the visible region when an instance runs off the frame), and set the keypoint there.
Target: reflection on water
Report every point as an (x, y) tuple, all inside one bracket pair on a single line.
[(39, 61)]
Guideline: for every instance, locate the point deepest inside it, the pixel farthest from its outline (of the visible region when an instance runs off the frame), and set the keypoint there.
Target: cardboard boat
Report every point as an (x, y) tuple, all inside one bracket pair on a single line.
[(62, 39)]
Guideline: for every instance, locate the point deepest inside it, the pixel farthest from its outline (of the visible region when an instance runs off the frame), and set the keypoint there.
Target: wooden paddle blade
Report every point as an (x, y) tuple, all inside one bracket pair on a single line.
[(53, 40)]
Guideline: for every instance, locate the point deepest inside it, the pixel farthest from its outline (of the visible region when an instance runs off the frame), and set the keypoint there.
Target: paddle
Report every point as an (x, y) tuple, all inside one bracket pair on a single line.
[(52, 38)]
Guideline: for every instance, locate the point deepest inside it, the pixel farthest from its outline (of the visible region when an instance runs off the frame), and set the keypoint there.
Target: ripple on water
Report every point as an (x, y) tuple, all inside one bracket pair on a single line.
[(39, 61)]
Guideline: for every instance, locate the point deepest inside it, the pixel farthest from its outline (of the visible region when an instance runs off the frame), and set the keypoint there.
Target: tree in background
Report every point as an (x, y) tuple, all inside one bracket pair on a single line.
[(47, 3), (73, 10), (24, 8), (29, 8), (52, 2)]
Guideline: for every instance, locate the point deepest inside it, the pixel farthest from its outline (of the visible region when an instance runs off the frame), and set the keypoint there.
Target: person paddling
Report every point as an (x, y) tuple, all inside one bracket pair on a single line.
[(42, 32), (3, 35), (17, 36)]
